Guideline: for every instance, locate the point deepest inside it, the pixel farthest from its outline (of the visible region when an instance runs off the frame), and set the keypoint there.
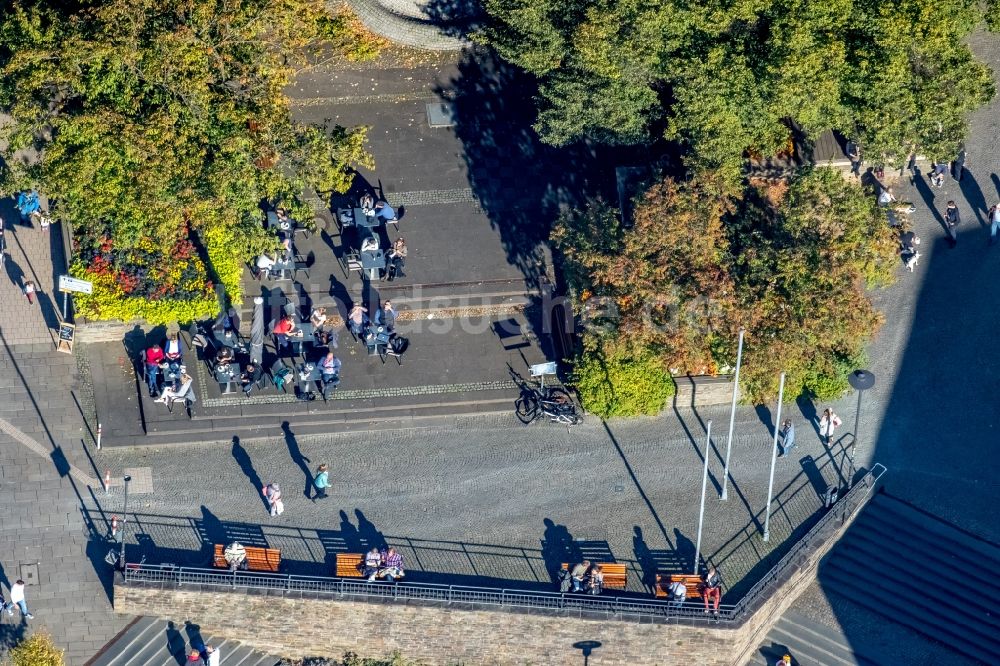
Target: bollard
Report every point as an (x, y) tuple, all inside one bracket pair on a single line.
[(107, 481), (98, 436), (114, 525)]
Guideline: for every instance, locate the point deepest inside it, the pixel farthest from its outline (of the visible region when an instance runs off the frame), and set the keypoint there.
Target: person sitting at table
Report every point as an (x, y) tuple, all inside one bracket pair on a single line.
[(397, 257), (384, 210), (284, 222), (284, 328), (224, 357), (229, 322), (386, 316), (250, 376), (329, 366), (368, 204), (286, 242), (369, 244), (264, 265), (154, 357), (357, 319), (170, 393), (173, 351)]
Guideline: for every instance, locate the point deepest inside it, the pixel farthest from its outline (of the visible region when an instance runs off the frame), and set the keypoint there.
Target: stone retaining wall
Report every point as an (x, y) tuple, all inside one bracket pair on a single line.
[(300, 625), (701, 391)]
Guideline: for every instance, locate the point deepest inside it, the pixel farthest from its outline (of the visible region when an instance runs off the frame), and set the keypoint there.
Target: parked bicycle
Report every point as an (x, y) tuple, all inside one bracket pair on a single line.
[(552, 402)]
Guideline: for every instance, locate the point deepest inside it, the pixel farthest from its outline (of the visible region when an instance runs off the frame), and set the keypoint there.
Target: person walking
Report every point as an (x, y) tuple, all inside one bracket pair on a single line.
[(272, 493), (952, 218), (321, 482), (828, 423), (786, 438), (17, 599), (854, 155), (994, 223), (29, 291)]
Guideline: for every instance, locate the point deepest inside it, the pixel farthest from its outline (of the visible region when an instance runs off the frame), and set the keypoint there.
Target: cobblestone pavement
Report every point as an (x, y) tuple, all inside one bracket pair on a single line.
[(40, 429), (493, 503)]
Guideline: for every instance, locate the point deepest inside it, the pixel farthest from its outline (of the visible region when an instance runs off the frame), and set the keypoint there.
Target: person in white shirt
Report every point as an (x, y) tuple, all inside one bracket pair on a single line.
[(214, 657), (17, 599)]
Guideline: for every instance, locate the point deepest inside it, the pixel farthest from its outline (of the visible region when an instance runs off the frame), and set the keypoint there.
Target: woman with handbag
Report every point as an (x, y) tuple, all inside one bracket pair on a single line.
[(828, 423)]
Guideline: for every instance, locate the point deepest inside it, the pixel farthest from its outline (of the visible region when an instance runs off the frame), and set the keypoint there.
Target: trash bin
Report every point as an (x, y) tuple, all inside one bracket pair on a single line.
[(830, 496)]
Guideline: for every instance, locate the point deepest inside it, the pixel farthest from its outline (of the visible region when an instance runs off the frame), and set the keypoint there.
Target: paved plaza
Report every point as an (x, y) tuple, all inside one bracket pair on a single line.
[(490, 501)]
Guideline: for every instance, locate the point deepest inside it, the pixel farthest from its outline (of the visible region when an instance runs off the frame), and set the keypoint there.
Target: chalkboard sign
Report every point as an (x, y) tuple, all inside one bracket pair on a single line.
[(65, 342)]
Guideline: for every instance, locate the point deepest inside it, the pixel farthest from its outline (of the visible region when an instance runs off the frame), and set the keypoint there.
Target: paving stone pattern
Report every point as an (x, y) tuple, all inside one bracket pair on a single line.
[(43, 468)]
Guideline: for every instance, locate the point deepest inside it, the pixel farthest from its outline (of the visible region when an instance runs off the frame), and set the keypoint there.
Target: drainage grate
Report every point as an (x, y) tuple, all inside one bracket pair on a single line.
[(29, 574), (440, 114)]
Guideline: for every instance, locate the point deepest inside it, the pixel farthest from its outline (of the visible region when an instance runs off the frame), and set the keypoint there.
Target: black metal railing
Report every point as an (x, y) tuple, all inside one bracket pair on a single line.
[(625, 606)]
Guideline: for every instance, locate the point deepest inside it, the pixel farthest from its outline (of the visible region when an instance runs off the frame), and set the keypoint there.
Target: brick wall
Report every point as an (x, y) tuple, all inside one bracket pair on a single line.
[(299, 626)]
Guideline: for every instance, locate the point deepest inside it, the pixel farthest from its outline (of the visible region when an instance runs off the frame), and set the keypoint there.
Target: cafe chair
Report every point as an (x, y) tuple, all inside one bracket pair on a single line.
[(396, 348), (353, 261), (280, 375)]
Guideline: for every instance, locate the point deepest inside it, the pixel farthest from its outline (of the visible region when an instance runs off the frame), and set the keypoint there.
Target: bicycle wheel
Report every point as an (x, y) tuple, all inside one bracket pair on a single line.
[(526, 408)]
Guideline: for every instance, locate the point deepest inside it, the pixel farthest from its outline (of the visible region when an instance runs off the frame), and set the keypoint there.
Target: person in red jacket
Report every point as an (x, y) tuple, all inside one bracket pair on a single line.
[(154, 357), (283, 329)]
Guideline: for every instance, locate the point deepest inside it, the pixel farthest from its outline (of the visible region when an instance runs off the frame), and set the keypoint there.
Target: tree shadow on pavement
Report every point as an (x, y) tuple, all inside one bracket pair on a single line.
[(520, 183)]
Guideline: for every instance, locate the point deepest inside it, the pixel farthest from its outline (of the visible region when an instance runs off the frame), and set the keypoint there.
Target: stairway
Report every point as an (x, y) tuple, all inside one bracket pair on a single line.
[(893, 559), (809, 644), (150, 641)]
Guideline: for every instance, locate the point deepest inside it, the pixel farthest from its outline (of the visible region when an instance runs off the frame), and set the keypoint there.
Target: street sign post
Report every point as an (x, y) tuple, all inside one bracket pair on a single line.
[(69, 284)]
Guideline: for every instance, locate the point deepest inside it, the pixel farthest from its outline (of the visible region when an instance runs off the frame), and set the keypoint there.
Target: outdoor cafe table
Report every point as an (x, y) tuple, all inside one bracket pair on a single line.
[(307, 380), (227, 375), (232, 340), (303, 333), (284, 268), (363, 221), (171, 372), (372, 263), (376, 336)]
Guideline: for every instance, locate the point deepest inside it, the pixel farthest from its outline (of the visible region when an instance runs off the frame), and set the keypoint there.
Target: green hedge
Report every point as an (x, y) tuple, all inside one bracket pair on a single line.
[(622, 382)]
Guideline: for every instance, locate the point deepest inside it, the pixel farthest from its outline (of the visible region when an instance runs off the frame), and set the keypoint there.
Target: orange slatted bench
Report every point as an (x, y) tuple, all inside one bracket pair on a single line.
[(691, 582), (614, 574), (350, 565), (258, 559)]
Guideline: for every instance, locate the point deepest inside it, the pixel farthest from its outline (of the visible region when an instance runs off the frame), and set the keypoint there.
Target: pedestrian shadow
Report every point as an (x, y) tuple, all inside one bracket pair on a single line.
[(193, 632), (176, 645), (246, 466), (974, 196), (296, 454), (663, 561), (814, 475), (368, 535), (558, 546), (775, 652)]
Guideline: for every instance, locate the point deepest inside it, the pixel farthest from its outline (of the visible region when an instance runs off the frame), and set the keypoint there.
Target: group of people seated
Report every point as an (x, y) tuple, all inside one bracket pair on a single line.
[(380, 208), (358, 320), (386, 564), (582, 577), (163, 361)]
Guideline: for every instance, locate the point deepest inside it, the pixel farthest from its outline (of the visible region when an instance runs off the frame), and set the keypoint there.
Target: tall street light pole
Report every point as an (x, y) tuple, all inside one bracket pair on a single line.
[(732, 416), (774, 454), (860, 381), (121, 558), (704, 485)]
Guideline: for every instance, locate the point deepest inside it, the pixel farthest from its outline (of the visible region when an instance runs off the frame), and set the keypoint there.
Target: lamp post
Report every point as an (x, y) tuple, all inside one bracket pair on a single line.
[(121, 558), (774, 454), (860, 381), (732, 415), (704, 484)]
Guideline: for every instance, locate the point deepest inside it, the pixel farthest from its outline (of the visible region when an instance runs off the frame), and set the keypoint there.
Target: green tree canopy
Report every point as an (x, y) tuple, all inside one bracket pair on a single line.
[(703, 259), (731, 77), (156, 118)]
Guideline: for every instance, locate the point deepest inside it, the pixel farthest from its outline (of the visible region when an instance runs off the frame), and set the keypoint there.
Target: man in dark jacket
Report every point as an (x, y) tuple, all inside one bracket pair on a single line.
[(952, 219)]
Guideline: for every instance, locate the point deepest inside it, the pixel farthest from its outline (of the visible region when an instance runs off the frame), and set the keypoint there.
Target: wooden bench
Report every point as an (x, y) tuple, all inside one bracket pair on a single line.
[(693, 584), (258, 559), (350, 565), (614, 573)]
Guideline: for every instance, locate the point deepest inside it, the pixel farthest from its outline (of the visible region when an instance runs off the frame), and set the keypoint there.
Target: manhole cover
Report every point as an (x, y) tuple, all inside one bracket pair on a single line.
[(29, 574), (619, 488), (440, 114)]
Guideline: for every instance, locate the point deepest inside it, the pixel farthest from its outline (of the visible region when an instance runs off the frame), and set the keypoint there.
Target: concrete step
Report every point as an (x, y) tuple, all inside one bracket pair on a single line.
[(914, 569), (986, 552), (132, 635), (149, 642), (841, 577)]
